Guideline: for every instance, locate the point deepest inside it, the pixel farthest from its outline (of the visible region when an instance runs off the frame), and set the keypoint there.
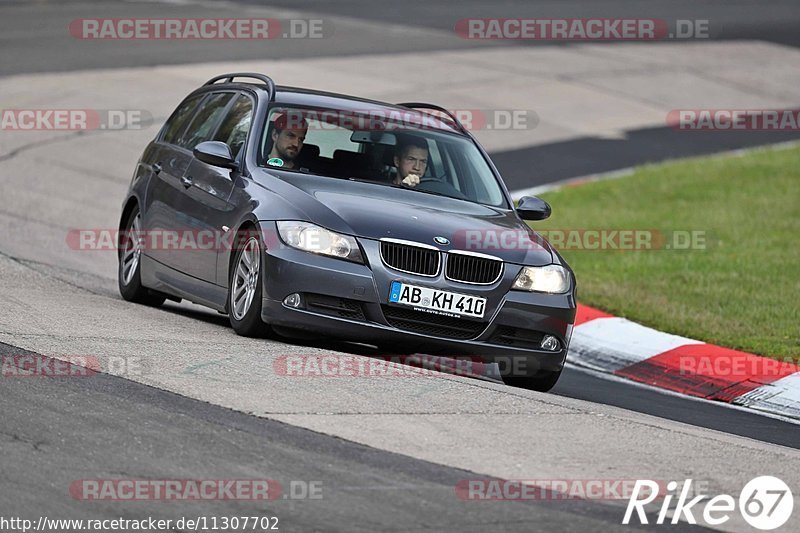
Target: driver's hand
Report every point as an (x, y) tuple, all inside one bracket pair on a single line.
[(412, 180)]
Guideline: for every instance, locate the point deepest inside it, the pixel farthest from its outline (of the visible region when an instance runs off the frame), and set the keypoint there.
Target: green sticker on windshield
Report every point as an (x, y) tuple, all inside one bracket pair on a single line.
[(275, 161)]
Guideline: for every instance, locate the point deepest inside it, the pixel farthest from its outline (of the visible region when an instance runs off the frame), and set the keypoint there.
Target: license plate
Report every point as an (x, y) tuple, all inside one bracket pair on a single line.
[(436, 301)]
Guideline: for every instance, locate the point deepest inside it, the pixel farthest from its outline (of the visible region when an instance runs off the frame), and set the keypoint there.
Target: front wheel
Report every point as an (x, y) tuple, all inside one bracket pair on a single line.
[(244, 293), (129, 271), (542, 381)]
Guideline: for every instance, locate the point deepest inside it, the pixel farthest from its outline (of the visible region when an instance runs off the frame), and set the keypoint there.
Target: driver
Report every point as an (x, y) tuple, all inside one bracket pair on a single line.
[(288, 136), (411, 160)]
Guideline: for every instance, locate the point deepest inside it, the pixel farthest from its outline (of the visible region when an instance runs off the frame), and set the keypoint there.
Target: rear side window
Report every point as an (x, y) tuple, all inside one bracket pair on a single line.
[(234, 128), (177, 122), (204, 122)]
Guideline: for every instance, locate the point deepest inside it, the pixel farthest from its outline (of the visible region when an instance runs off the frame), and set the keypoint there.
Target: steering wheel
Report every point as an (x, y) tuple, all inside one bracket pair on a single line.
[(440, 186)]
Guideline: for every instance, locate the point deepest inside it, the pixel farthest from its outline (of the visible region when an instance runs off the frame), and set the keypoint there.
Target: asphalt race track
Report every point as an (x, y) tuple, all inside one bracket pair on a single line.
[(203, 403)]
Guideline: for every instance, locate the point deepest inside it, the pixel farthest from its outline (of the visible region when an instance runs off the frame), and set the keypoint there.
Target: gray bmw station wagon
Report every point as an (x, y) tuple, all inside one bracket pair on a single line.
[(297, 211)]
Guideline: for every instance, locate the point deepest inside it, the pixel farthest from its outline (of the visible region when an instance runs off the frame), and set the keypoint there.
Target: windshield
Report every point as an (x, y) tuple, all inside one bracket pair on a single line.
[(410, 154)]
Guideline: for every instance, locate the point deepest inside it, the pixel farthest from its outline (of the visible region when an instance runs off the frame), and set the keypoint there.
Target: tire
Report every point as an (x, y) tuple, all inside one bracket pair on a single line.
[(245, 285), (542, 381), (129, 269)]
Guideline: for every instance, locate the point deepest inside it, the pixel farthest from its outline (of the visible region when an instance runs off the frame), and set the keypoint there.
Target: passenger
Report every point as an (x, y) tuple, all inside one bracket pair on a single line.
[(288, 136), (411, 160)]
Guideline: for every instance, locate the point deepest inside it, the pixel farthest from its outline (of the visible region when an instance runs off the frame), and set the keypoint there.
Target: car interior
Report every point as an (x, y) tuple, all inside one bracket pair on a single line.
[(374, 161), (335, 151)]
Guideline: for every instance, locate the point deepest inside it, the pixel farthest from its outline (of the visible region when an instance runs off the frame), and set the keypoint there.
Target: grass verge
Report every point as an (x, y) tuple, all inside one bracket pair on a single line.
[(739, 289)]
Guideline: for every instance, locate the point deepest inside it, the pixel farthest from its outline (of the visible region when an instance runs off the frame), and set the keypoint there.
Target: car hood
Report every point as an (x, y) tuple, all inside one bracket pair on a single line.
[(376, 211)]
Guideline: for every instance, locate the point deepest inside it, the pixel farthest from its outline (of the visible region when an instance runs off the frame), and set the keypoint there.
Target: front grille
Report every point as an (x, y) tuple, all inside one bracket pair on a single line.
[(469, 268), (522, 338), (409, 258), (333, 306), (432, 324)]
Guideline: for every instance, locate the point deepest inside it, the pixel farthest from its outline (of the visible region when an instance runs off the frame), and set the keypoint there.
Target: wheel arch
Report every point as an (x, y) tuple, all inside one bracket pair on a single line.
[(248, 224), (130, 205), (132, 202)]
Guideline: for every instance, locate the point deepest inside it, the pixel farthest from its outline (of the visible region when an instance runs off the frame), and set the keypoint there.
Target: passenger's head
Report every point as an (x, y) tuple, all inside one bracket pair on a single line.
[(288, 136), (411, 156)]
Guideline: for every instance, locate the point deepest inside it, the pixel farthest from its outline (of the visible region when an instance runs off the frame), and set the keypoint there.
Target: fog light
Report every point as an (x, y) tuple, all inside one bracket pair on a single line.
[(293, 300), (550, 343)]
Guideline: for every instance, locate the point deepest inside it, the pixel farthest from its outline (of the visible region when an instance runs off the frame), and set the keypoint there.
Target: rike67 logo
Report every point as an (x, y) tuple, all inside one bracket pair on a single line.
[(765, 503)]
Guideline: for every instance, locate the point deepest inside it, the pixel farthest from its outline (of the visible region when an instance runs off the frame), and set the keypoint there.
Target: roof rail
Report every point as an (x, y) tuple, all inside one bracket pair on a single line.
[(423, 106), (261, 77)]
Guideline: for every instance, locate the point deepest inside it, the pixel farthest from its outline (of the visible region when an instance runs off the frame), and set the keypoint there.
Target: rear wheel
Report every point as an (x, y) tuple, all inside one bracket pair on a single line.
[(542, 381), (244, 293), (129, 270)]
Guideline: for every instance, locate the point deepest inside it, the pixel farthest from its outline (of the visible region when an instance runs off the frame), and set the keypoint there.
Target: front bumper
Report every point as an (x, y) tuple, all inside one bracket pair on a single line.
[(350, 301)]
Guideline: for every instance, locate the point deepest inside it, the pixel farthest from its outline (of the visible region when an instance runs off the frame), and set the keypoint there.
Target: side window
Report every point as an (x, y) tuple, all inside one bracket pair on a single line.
[(203, 123), (326, 136), (177, 121), (234, 128)]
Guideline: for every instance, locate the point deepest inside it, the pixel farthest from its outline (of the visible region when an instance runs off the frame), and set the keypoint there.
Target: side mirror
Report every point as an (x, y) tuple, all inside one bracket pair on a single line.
[(533, 208), (215, 153)]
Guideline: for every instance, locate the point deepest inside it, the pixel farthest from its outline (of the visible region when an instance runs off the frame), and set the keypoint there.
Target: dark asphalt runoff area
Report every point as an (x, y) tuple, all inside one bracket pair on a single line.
[(34, 37), (555, 161), (594, 387), (57, 431), (584, 385), (773, 21)]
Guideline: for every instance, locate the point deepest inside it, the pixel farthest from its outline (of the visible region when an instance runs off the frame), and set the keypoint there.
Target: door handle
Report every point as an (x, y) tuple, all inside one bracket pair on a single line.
[(157, 168), (187, 181)]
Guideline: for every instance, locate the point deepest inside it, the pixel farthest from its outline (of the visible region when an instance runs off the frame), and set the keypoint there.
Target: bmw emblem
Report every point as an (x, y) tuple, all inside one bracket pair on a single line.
[(441, 240)]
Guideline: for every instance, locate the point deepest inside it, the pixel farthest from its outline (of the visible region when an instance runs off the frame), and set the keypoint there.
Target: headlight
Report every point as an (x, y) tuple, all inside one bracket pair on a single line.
[(315, 239), (553, 279)]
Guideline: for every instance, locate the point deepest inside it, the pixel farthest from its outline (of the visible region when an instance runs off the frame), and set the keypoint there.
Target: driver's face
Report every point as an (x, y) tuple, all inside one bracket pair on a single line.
[(288, 143), (414, 161)]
